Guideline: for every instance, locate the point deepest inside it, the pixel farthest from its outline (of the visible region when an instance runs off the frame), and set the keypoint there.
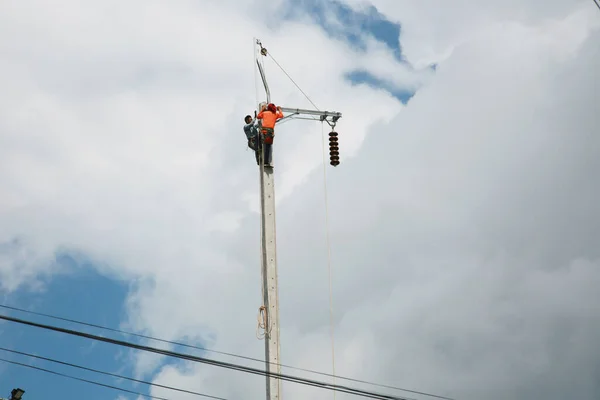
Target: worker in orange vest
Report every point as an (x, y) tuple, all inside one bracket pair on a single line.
[(269, 115)]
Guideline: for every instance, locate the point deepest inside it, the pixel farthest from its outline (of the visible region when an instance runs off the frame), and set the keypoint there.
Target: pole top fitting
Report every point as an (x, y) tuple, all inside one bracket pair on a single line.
[(263, 51)]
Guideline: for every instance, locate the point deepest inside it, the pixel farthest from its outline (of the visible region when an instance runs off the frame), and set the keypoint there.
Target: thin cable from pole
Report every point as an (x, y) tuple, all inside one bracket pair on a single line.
[(597, 4), (208, 361), (111, 374), (293, 81), (190, 346), (331, 321), (82, 380)]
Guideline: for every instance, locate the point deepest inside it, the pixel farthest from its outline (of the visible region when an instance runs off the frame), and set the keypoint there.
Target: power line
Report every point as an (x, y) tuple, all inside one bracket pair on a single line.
[(220, 352), (82, 380), (203, 360), (597, 3), (293, 81), (111, 374)]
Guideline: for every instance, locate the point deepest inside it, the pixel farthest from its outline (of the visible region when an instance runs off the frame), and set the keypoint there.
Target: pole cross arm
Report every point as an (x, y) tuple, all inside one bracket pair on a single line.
[(323, 114), (299, 113)]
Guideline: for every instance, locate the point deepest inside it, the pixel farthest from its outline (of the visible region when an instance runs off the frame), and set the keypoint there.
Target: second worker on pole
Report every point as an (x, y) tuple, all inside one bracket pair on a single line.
[(269, 115)]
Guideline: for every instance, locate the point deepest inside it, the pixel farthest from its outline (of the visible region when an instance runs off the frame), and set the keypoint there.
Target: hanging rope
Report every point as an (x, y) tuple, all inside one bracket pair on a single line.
[(263, 323), (263, 319), (331, 321)]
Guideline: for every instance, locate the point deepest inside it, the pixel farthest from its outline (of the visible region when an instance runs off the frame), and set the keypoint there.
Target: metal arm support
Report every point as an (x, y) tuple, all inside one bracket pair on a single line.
[(264, 79), (312, 112), (294, 112), (323, 115)]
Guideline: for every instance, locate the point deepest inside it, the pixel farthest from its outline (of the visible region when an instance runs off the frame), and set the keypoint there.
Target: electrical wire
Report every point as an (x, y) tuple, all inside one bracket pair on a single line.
[(298, 87), (331, 321), (91, 325), (329, 256), (111, 374), (244, 357), (82, 380), (597, 4), (293, 81), (326, 221), (203, 360)]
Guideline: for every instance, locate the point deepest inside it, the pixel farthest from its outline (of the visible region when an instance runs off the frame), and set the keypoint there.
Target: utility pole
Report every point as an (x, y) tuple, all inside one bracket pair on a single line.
[(269, 248)]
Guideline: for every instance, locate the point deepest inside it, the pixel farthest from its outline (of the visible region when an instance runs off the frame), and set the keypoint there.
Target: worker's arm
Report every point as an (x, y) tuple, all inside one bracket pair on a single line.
[(279, 114), (260, 115)]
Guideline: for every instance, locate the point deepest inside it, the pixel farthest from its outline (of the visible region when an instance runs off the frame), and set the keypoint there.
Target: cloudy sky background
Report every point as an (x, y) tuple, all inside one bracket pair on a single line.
[(464, 218)]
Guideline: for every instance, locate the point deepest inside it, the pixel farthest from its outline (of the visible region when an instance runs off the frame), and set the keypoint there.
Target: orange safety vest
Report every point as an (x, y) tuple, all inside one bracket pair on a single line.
[(269, 118)]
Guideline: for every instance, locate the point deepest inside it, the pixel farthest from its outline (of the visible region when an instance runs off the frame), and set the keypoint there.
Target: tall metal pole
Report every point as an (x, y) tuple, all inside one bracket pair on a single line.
[(268, 240), (269, 268)]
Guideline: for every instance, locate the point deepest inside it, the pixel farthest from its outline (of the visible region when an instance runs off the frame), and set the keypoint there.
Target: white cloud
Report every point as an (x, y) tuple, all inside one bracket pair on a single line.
[(122, 137), (430, 34), (464, 225)]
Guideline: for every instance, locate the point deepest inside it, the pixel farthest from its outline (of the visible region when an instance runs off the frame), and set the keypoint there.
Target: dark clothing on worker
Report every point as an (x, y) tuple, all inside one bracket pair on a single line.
[(250, 130), (254, 144), (253, 137), (267, 138), (268, 154)]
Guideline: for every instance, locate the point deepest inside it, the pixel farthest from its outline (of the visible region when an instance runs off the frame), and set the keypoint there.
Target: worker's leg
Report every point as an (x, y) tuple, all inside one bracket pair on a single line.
[(259, 149), (268, 138), (252, 143), (268, 153)]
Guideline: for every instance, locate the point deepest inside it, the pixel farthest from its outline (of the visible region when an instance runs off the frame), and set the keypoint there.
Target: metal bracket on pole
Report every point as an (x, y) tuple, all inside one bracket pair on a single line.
[(331, 117), (263, 51)]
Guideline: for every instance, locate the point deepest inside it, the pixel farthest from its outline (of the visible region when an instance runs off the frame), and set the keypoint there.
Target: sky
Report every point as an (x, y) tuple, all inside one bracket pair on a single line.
[(463, 218)]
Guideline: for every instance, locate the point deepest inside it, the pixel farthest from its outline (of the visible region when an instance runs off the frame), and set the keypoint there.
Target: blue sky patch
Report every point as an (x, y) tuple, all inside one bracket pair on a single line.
[(350, 25), (82, 295), (358, 77), (342, 22)]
